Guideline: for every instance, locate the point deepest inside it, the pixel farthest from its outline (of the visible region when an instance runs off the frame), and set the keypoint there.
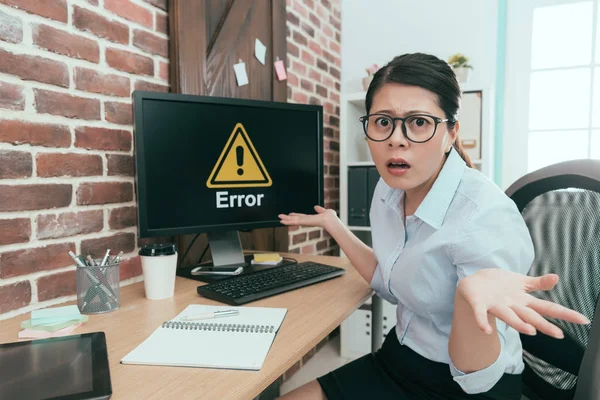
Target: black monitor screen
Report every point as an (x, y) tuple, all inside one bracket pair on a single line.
[(211, 163)]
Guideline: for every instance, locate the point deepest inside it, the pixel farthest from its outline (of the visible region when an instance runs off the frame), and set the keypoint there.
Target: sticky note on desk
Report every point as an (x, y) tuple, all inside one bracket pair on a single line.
[(54, 315), (55, 326), (265, 257)]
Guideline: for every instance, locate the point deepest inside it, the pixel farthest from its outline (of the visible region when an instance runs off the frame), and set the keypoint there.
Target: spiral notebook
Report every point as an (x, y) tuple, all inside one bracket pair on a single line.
[(237, 342)]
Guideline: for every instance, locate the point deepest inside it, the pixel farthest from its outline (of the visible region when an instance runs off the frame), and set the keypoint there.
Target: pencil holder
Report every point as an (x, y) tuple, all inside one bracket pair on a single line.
[(98, 288)]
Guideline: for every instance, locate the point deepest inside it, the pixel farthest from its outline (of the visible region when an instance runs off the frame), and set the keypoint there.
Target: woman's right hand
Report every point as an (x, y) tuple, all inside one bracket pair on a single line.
[(323, 218)]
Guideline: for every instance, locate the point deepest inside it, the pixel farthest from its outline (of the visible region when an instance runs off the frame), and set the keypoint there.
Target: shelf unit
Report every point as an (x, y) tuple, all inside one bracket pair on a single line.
[(355, 331)]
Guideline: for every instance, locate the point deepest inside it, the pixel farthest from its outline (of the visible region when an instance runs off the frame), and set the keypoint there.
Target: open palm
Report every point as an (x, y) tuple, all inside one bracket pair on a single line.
[(320, 219), (506, 295)]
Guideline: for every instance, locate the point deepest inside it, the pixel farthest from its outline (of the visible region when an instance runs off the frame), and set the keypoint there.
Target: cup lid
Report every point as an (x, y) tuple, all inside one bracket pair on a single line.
[(159, 249)]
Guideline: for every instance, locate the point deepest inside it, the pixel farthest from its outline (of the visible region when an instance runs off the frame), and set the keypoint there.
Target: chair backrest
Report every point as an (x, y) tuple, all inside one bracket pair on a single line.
[(561, 206)]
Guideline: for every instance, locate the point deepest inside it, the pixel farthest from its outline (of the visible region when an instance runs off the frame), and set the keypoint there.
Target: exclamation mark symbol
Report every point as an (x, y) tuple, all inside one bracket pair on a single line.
[(239, 152)]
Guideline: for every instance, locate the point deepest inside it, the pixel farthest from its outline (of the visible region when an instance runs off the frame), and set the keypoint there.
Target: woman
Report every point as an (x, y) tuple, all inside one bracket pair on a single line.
[(449, 248)]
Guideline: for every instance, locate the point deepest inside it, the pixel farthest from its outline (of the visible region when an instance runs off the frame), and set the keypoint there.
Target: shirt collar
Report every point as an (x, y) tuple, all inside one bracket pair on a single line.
[(434, 206)]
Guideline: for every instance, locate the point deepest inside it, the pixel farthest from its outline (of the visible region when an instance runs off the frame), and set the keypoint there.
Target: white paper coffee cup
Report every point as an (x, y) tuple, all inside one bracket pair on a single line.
[(159, 266)]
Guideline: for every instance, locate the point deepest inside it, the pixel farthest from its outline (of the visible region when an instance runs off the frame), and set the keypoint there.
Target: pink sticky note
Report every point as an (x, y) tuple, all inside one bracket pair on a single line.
[(280, 69), (33, 334)]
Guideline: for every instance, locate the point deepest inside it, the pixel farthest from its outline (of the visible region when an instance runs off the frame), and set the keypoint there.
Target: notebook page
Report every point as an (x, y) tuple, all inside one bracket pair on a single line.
[(247, 315)]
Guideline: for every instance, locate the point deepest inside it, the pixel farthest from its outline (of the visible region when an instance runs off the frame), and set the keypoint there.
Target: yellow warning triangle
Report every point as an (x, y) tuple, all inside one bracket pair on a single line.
[(239, 164)]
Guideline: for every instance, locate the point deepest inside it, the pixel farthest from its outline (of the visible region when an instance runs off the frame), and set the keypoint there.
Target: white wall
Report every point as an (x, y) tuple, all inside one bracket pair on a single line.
[(374, 31)]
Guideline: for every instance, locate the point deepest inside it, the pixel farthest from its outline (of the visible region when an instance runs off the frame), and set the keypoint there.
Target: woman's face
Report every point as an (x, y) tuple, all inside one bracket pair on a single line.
[(401, 163)]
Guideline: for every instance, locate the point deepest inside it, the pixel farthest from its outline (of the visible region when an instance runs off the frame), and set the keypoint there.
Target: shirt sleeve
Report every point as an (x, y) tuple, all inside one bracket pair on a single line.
[(380, 288), (497, 238)]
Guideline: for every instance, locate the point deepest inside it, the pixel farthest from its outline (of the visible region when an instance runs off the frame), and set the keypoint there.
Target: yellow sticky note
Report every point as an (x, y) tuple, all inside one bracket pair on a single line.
[(264, 257)]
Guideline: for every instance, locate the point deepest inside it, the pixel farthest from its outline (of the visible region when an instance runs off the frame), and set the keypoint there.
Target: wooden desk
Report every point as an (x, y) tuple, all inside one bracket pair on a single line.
[(313, 312)]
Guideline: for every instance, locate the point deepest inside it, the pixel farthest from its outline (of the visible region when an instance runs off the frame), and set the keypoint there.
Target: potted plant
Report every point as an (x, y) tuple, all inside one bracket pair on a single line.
[(366, 81), (460, 64)]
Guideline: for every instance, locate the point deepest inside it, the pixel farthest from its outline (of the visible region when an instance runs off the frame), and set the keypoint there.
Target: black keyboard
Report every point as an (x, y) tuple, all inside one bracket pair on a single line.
[(257, 285)]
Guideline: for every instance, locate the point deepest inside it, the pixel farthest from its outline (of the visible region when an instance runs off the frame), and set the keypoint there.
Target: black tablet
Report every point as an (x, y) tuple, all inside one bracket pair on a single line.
[(63, 368)]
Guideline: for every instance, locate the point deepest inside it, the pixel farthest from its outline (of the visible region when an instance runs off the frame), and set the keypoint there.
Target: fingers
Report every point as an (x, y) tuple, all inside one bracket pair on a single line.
[(544, 282), (507, 315), (537, 321), (553, 310), (320, 209), (481, 317)]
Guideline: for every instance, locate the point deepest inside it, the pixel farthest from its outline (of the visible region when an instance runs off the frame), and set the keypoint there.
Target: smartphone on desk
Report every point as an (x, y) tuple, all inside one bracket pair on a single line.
[(210, 270)]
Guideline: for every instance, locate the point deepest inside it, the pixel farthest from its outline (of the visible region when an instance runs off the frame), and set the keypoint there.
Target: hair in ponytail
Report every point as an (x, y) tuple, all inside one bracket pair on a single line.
[(428, 72)]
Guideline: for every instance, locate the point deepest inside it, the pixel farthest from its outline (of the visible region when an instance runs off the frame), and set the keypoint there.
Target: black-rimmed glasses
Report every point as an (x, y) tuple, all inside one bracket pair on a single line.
[(418, 128)]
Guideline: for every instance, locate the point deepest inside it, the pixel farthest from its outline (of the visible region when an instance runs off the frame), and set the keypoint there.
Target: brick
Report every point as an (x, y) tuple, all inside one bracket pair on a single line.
[(314, 235), (162, 4), (123, 217), (307, 85), (314, 100), (335, 72), (308, 58), (310, 4), (322, 65), (328, 132), (292, 79), (15, 164), (12, 97), (326, 3), (299, 38), (334, 170), (16, 230), (33, 68), (328, 56), (335, 47), (293, 49), (93, 81), (329, 107), (299, 238), (11, 28), (28, 261), (120, 165), (55, 9), (51, 226), (293, 19), (124, 242), (118, 113), (34, 197), (57, 285), (315, 47), (55, 103), (327, 81), (162, 23), (338, 37), (129, 62), (337, 13), (299, 68), (314, 75), (338, 87), (308, 249), (300, 9), (150, 87), (104, 193), (150, 43), (334, 146), (68, 44), (130, 11), (300, 98), (315, 20), (163, 70), (328, 31), (322, 11), (335, 22), (335, 97), (15, 296), (310, 31), (36, 134), (93, 2), (92, 138), (58, 164), (321, 91), (89, 21), (130, 268)]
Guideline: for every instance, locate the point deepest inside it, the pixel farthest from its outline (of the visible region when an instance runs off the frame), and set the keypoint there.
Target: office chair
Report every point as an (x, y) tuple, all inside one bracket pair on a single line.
[(561, 207)]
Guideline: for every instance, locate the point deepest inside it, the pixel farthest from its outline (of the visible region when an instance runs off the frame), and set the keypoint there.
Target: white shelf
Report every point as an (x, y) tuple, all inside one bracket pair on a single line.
[(360, 228), (357, 98)]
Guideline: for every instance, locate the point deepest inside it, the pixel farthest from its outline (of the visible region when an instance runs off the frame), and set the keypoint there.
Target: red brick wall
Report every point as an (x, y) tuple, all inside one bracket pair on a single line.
[(67, 70), (314, 69)]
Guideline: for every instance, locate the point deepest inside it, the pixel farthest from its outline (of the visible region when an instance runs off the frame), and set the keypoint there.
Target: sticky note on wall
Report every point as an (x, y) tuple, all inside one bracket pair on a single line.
[(260, 51), (280, 70), (240, 73)]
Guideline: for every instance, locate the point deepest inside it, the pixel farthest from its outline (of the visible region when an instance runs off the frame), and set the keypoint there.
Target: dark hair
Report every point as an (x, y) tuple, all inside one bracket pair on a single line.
[(429, 72)]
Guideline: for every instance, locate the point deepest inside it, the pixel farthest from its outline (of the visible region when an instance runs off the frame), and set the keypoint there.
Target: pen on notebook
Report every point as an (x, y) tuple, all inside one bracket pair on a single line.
[(210, 315)]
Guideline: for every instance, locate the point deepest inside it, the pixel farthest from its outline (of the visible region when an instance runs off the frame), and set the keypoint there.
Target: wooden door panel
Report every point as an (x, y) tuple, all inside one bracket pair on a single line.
[(207, 38)]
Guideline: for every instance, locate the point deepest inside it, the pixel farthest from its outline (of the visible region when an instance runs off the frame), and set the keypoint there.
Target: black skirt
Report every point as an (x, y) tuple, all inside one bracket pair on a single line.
[(397, 372)]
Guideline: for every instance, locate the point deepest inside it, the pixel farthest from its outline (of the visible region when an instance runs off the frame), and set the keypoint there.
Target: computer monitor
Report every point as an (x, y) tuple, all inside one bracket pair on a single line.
[(219, 165)]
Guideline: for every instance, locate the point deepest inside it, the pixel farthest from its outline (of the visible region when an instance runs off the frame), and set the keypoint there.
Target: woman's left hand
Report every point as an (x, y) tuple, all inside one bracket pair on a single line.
[(505, 295)]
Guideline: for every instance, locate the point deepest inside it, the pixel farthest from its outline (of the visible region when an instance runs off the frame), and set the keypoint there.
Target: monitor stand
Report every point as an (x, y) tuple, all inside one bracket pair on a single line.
[(226, 250)]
